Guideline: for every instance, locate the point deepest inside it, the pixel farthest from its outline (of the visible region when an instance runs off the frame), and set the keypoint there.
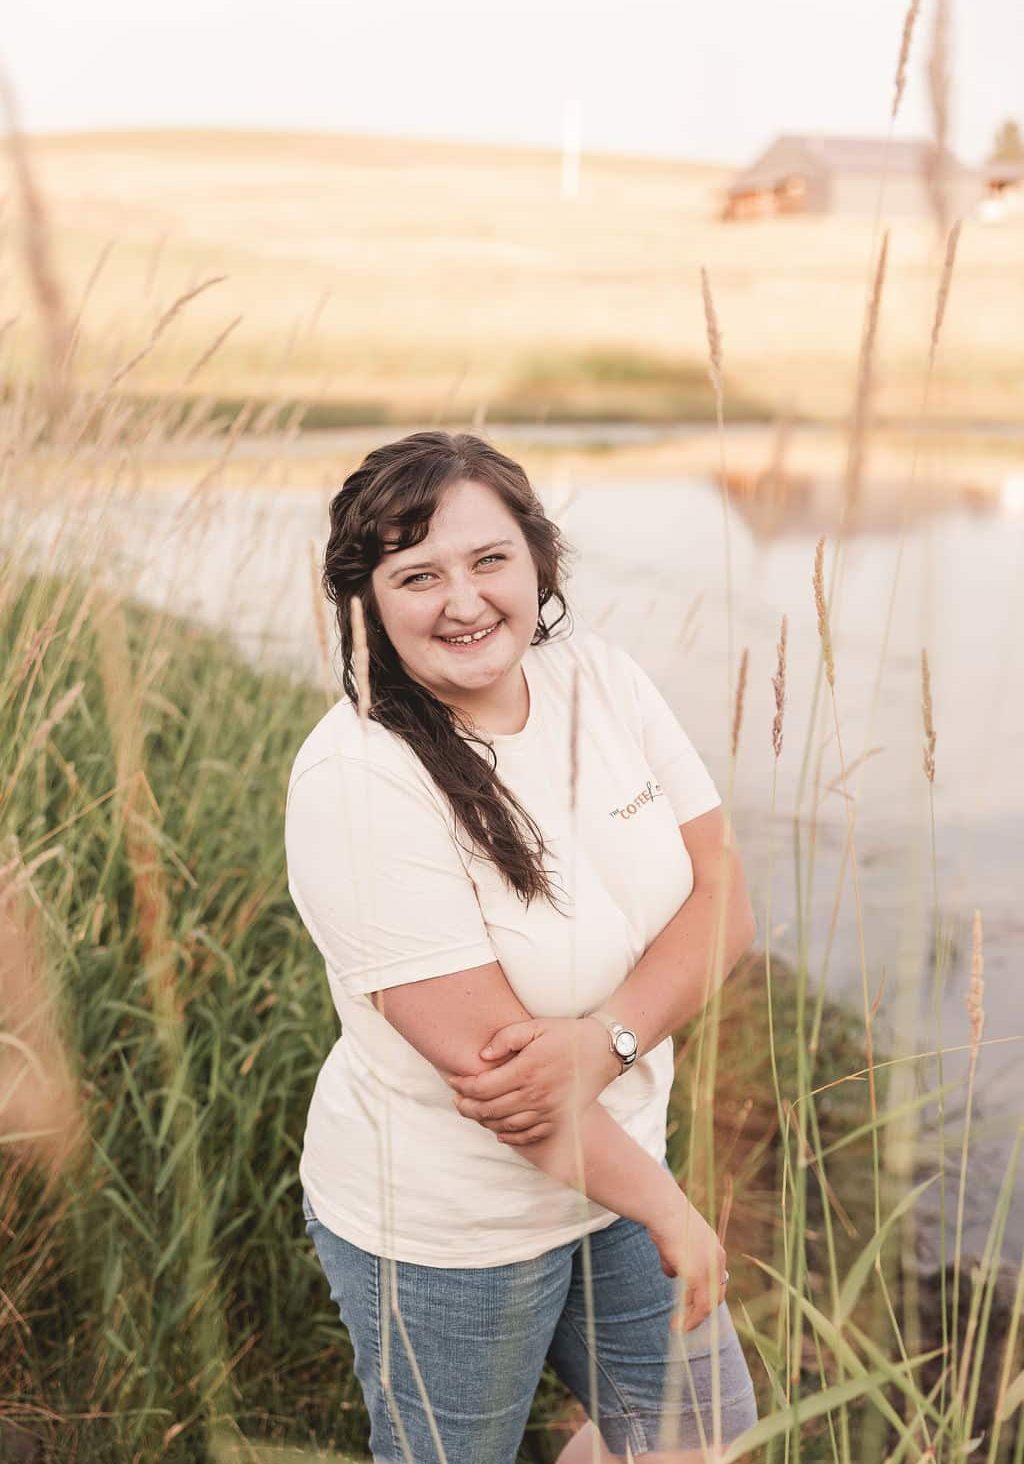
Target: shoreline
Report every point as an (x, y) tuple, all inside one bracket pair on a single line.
[(931, 464)]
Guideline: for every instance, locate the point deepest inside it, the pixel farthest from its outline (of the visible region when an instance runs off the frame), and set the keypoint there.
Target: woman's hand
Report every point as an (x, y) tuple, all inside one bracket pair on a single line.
[(690, 1249), (531, 1084)]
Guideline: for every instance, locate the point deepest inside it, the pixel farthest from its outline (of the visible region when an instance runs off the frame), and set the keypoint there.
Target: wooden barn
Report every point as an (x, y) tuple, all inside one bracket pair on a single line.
[(841, 175)]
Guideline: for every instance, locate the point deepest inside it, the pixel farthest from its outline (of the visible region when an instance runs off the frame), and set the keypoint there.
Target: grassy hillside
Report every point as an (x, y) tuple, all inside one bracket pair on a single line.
[(387, 279)]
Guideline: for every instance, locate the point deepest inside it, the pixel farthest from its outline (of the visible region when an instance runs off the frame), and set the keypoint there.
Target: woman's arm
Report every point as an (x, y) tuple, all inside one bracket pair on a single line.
[(595, 1155), (622, 1176), (695, 952), (448, 1019), (670, 983)]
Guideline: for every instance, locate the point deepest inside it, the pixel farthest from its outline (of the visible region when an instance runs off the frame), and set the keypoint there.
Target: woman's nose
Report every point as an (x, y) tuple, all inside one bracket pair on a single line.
[(464, 601)]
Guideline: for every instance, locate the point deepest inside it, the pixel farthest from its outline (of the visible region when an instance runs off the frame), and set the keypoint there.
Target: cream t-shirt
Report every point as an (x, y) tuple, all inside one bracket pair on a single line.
[(384, 882)]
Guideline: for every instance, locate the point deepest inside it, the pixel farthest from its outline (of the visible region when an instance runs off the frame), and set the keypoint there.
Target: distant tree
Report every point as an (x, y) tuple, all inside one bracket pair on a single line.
[(1008, 146)]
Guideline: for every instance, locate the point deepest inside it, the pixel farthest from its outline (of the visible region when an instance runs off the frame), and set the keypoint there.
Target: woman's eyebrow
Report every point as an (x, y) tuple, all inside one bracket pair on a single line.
[(429, 563)]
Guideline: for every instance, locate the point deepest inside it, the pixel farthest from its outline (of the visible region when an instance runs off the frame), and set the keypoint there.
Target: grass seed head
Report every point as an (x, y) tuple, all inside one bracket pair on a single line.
[(863, 397), (41, 1115), (360, 656), (574, 738), (779, 687), (909, 21), (40, 262), (819, 601), (976, 989), (937, 157), (714, 335), (952, 240), (929, 726), (741, 689)]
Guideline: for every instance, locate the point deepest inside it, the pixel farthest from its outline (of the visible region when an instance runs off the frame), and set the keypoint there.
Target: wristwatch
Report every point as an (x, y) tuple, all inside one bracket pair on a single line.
[(623, 1040)]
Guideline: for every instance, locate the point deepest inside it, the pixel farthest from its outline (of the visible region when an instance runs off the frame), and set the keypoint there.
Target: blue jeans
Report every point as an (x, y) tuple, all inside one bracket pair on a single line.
[(448, 1359)]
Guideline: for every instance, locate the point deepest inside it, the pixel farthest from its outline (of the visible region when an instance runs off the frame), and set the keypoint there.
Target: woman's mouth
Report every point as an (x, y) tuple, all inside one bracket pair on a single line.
[(473, 642)]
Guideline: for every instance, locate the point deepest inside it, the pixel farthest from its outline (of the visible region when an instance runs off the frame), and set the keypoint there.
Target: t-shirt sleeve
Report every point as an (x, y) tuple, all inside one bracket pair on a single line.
[(377, 879), (671, 756)]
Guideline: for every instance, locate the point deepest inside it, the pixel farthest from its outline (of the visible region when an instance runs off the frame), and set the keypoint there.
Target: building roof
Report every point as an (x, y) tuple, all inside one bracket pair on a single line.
[(856, 155)]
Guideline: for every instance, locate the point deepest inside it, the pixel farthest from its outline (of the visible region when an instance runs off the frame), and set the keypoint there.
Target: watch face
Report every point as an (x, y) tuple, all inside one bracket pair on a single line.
[(625, 1043)]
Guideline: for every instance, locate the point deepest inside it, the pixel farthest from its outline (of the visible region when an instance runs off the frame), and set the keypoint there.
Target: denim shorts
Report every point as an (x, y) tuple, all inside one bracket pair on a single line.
[(449, 1359)]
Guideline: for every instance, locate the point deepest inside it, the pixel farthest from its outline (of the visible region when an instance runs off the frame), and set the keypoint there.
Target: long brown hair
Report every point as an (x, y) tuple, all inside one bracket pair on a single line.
[(396, 489)]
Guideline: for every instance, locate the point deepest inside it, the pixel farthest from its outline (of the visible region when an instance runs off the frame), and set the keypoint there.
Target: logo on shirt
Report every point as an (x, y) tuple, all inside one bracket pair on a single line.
[(647, 794)]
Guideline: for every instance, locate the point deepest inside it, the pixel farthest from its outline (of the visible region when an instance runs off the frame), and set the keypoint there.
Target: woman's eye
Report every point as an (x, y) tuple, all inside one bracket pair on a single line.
[(413, 577)]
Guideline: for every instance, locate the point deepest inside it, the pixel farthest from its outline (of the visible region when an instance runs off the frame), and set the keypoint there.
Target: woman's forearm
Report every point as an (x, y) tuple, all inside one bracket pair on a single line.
[(617, 1171)]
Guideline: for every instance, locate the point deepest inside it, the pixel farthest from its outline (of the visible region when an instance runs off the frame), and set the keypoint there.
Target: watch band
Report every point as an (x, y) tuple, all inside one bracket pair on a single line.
[(614, 1028)]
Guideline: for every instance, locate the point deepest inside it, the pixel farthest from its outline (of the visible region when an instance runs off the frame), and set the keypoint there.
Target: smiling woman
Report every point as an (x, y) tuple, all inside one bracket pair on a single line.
[(474, 604), (445, 930)]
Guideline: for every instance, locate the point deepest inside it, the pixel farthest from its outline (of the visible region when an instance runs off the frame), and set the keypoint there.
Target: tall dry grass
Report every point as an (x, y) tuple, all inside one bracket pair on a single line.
[(937, 1423), (156, 1029), (146, 1099)]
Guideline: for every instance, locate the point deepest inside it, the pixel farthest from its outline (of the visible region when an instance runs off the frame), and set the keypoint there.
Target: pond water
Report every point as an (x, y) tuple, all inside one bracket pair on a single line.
[(650, 573)]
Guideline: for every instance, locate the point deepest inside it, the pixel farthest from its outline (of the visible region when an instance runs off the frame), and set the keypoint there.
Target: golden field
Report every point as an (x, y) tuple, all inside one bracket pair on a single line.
[(409, 280)]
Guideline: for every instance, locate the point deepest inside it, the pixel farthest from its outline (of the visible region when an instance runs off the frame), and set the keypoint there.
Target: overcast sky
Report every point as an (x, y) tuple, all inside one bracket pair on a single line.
[(711, 81)]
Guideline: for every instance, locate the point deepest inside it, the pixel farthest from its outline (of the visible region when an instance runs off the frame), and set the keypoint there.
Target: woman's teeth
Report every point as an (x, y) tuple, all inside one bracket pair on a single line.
[(466, 640)]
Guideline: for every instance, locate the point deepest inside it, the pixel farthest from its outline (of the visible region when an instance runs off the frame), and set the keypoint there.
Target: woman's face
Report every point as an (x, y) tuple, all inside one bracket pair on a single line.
[(472, 571)]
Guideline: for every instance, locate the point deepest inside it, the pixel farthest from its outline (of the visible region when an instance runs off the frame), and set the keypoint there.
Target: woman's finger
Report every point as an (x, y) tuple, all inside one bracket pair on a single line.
[(696, 1308), (520, 1123), (512, 1038), (492, 1108), (498, 1082), (516, 1123), (697, 1313), (686, 1321), (530, 1136)]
